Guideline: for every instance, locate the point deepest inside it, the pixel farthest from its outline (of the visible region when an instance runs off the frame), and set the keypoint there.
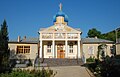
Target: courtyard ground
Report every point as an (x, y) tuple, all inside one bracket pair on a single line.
[(71, 71), (67, 71)]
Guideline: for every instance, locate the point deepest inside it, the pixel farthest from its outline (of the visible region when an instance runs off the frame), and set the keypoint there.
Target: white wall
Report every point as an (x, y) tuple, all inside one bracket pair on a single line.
[(31, 55), (117, 49), (95, 46)]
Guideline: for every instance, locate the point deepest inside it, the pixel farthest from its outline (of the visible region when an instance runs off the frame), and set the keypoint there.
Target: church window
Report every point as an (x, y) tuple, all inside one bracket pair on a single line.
[(70, 48), (48, 48)]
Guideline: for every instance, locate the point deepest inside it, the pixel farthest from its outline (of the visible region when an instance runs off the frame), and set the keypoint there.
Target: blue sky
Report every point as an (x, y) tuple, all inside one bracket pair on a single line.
[(26, 17)]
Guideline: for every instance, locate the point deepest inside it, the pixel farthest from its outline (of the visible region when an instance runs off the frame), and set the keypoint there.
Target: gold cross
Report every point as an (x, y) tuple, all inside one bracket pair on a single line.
[(60, 7)]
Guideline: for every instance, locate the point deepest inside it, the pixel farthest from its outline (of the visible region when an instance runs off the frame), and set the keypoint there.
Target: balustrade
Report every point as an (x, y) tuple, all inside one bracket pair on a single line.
[(60, 35), (72, 36), (47, 35)]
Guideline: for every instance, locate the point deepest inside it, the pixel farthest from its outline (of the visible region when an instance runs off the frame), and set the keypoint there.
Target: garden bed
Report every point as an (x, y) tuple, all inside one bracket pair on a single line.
[(28, 73), (109, 67)]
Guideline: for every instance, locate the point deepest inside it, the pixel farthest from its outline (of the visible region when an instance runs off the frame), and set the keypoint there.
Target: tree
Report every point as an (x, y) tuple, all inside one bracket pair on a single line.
[(111, 35), (94, 33), (101, 51), (4, 51)]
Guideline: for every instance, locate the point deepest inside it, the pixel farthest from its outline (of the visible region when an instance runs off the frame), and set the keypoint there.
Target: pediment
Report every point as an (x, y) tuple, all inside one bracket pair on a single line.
[(60, 28)]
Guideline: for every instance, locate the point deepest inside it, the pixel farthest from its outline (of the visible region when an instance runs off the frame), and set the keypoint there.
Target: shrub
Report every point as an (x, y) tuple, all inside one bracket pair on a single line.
[(90, 59), (109, 67), (28, 73)]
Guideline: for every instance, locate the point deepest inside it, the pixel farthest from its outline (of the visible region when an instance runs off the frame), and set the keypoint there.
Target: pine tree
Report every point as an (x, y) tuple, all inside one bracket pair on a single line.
[(0, 40), (4, 51)]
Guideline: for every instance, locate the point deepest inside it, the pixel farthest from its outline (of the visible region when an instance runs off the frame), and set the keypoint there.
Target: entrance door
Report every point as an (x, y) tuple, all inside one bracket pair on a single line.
[(60, 52)]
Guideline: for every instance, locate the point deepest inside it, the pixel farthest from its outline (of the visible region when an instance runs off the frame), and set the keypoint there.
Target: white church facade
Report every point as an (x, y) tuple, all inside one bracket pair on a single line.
[(60, 40)]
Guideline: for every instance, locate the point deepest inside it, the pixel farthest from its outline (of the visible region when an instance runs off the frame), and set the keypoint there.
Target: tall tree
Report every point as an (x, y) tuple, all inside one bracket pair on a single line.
[(101, 51), (94, 33), (4, 51), (111, 35)]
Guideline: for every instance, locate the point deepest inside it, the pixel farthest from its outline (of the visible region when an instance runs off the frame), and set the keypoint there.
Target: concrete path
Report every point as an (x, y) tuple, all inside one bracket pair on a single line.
[(70, 71)]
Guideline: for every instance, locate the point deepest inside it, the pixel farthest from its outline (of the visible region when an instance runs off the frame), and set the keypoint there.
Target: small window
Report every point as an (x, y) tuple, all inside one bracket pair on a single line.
[(19, 49), (48, 48), (26, 49), (70, 48), (23, 49)]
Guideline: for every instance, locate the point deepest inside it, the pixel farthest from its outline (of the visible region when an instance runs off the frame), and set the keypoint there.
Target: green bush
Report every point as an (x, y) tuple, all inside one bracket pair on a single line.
[(109, 67), (90, 59), (28, 73)]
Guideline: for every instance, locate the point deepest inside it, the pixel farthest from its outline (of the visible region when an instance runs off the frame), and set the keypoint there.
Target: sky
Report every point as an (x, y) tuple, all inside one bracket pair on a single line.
[(26, 17)]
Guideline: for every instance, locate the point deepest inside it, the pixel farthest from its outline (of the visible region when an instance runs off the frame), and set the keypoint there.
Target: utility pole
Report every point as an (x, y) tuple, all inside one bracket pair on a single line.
[(116, 31), (116, 35)]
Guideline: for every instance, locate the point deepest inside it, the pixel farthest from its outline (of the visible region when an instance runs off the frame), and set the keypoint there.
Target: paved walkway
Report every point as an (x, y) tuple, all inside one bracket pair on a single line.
[(67, 71), (70, 71)]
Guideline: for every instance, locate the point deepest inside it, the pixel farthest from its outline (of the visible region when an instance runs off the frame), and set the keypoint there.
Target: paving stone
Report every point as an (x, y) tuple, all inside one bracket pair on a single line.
[(70, 71)]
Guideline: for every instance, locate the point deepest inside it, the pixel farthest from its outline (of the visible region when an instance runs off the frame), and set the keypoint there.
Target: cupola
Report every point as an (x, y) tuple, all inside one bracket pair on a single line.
[(60, 17)]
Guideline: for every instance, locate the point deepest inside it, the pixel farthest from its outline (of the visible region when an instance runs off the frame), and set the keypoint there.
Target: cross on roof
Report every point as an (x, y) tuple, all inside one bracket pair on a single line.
[(60, 7)]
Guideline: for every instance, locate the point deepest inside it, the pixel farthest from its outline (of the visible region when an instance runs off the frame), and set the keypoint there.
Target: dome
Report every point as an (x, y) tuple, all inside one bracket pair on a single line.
[(60, 13)]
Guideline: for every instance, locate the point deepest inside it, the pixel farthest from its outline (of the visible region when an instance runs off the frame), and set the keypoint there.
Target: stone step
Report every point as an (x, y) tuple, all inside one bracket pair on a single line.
[(60, 62)]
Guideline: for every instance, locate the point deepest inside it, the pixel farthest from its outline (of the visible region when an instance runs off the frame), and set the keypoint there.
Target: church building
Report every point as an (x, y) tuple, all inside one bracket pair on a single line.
[(60, 40)]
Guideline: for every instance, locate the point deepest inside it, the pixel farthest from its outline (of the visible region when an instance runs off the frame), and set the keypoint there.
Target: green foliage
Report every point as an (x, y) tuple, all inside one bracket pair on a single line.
[(30, 63), (117, 56), (106, 68), (98, 54), (94, 33), (4, 37), (108, 36), (28, 73), (90, 59), (101, 51), (4, 51)]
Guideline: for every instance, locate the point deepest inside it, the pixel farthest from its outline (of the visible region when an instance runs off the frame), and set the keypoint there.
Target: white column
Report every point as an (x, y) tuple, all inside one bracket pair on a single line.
[(53, 48), (78, 48), (56, 51), (40, 49), (66, 48)]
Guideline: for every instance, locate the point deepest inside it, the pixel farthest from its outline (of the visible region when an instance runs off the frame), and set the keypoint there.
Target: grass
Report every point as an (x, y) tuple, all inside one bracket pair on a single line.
[(28, 73)]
